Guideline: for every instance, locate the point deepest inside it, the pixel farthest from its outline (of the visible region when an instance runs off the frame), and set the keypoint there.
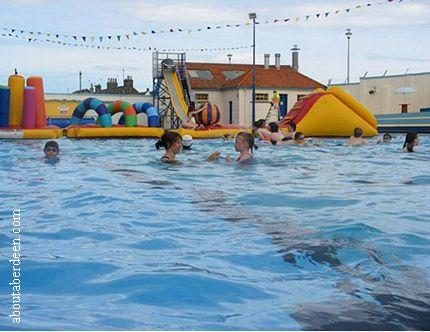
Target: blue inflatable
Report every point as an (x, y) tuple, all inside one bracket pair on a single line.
[(4, 106), (91, 104), (150, 111)]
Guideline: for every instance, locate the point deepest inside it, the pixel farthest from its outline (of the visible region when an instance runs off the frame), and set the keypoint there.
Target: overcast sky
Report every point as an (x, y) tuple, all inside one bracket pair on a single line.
[(391, 37)]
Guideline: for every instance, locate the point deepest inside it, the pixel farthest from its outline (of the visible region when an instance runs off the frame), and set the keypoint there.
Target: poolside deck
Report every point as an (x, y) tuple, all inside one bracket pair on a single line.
[(402, 123)]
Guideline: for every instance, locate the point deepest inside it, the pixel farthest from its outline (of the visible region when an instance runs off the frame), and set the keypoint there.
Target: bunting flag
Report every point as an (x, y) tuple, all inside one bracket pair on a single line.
[(129, 48), (135, 33)]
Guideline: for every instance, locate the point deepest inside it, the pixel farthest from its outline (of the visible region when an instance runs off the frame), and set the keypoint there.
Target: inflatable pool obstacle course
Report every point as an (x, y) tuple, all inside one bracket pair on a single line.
[(22, 110), (126, 128), (330, 113)]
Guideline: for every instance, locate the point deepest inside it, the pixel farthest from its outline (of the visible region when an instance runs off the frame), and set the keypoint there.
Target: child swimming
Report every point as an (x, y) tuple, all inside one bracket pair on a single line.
[(244, 144), (275, 135), (51, 151), (261, 131), (172, 142), (411, 142), (357, 139)]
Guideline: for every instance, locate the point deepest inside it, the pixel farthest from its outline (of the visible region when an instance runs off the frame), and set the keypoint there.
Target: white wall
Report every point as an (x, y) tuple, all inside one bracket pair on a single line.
[(384, 100), (103, 97)]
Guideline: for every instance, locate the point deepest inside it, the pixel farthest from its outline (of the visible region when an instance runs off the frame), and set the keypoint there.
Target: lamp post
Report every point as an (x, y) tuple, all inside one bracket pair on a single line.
[(348, 35), (229, 56), (253, 16)]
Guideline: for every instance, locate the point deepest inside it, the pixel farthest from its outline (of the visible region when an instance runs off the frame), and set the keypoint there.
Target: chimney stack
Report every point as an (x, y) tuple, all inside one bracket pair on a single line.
[(266, 61), (295, 58), (278, 60)]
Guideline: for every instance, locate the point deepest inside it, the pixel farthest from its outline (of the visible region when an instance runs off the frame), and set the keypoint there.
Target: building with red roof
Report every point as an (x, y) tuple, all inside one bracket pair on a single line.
[(230, 87)]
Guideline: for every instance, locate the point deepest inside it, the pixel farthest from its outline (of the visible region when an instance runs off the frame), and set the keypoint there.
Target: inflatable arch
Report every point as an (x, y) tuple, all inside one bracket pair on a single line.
[(91, 104), (150, 111), (127, 109)]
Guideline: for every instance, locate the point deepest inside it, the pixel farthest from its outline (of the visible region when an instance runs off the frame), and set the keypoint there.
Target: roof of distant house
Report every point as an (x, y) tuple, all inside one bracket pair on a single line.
[(225, 75)]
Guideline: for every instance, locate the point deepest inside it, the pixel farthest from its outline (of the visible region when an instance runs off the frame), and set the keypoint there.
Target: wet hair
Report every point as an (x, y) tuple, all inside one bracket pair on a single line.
[(273, 127), (410, 141), (51, 144), (293, 126), (248, 138), (387, 135), (259, 123), (299, 135), (167, 140), (192, 107), (358, 132)]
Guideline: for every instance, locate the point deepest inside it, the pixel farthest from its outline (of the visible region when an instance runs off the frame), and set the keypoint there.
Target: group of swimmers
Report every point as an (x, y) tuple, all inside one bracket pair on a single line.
[(245, 142), (173, 143)]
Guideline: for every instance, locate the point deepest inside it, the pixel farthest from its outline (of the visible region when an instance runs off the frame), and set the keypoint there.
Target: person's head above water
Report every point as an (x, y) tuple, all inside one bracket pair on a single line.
[(170, 141), (260, 123), (273, 127), (299, 136), (358, 132), (386, 138), (51, 149), (244, 141), (411, 140), (187, 142), (292, 127)]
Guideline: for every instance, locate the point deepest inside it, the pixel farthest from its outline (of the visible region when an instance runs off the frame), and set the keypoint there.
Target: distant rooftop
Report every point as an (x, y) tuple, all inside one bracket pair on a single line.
[(225, 76)]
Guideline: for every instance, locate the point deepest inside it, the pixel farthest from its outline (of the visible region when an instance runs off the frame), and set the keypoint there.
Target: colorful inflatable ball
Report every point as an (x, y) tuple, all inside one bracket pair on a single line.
[(37, 83), (16, 84), (91, 104), (210, 115), (4, 106), (150, 111), (125, 108), (29, 114)]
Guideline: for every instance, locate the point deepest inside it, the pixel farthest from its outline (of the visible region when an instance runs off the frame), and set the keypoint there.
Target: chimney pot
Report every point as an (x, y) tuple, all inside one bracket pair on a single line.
[(266, 61), (295, 57), (278, 60)]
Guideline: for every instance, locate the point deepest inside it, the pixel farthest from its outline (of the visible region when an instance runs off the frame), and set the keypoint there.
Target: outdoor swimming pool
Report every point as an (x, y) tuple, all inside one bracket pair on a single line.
[(305, 238)]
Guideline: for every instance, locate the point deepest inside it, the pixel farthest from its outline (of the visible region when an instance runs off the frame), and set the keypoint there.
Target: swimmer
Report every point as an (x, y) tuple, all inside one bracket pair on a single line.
[(386, 138), (187, 122), (260, 130), (187, 142), (411, 142), (172, 142), (357, 139), (51, 151), (244, 144), (275, 135), (291, 130)]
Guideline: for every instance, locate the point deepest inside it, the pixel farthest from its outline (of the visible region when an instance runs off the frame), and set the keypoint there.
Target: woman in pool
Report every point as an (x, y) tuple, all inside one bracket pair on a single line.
[(260, 130), (172, 142), (244, 144), (411, 142), (188, 123)]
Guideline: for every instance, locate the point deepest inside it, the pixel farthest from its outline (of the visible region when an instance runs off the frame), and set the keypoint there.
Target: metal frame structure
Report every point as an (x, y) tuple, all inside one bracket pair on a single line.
[(161, 96)]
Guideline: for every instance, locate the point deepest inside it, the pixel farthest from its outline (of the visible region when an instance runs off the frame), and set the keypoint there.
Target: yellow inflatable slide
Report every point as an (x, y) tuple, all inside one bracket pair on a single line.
[(332, 112)]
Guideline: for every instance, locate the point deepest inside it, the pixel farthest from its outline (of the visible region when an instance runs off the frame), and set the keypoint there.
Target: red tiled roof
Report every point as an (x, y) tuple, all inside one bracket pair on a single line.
[(284, 77)]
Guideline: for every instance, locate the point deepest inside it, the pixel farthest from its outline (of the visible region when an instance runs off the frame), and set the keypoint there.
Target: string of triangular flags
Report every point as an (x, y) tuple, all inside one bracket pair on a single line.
[(129, 48), (127, 36)]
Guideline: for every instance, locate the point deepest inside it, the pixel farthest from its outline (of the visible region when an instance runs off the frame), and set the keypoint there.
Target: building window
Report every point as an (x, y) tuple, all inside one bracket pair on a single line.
[(262, 97), (201, 74), (202, 97), (300, 96)]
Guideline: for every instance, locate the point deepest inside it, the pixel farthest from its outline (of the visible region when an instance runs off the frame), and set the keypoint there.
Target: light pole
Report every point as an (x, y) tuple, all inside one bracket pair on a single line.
[(253, 16), (229, 56), (348, 35)]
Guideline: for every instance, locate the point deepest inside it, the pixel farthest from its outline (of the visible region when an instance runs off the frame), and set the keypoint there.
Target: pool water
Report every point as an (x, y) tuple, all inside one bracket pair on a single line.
[(331, 237)]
